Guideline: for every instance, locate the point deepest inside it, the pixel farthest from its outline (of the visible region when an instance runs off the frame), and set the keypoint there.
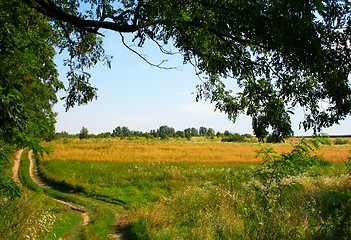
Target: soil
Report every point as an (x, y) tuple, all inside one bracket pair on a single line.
[(36, 178), (34, 175), (16, 166)]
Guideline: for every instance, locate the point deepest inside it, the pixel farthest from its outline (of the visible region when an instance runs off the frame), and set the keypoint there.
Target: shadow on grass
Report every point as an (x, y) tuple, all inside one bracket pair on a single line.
[(135, 231)]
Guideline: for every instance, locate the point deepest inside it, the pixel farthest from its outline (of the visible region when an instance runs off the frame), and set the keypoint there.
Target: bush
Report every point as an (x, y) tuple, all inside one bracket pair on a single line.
[(83, 133), (340, 141), (164, 136), (348, 163), (274, 139), (8, 187), (236, 137)]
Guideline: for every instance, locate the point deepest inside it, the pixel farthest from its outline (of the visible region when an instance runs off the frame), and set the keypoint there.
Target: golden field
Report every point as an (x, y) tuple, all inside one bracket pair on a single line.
[(196, 150)]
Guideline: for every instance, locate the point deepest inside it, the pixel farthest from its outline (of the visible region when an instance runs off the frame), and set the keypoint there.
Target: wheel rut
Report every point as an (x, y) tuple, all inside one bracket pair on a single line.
[(39, 181), (15, 167), (36, 178)]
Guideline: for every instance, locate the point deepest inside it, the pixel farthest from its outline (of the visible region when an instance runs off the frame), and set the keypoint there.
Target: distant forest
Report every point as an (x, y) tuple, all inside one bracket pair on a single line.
[(163, 132)]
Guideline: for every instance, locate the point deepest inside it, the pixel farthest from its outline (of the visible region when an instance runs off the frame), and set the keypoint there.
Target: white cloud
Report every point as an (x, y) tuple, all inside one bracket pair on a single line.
[(200, 108)]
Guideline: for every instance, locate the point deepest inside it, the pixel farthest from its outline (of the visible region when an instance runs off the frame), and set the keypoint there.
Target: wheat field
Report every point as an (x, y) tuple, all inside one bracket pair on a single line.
[(197, 150)]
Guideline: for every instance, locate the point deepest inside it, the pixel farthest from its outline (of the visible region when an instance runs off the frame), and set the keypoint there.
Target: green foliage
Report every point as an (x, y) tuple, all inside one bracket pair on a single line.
[(164, 131), (348, 163), (119, 131), (276, 167), (236, 137), (83, 133), (28, 78), (8, 188), (340, 141), (277, 194), (203, 131), (164, 136), (191, 131), (280, 53)]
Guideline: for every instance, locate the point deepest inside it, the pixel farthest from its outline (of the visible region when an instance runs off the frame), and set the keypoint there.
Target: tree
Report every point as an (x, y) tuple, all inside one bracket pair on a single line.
[(83, 133), (180, 134), (165, 130), (28, 78), (191, 131), (154, 133), (126, 132), (282, 54), (28, 84), (202, 131), (117, 131), (210, 132)]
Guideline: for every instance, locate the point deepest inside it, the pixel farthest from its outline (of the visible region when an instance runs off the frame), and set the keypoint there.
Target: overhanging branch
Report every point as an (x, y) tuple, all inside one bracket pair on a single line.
[(50, 9)]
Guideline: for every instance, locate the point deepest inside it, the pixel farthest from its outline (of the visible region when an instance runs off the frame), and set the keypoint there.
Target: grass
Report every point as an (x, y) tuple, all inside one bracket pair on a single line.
[(134, 183), (187, 196), (198, 150), (102, 214), (32, 216)]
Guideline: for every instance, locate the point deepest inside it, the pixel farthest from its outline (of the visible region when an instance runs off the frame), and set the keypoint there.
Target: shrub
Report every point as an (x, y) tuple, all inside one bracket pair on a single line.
[(276, 167), (8, 187), (236, 137), (340, 141), (348, 163), (83, 133), (164, 136)]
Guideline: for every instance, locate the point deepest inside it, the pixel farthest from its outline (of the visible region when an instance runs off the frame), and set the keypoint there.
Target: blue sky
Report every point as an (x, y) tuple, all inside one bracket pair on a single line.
[(141, 97)]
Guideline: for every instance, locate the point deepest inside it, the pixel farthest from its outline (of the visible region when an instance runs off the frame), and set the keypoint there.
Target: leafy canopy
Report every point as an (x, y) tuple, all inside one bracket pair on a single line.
[(28, 78), (282, 54), (28, 85)]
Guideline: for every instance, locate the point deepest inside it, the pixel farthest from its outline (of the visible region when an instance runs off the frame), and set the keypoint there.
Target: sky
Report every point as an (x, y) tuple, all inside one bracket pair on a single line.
[(141, 97)]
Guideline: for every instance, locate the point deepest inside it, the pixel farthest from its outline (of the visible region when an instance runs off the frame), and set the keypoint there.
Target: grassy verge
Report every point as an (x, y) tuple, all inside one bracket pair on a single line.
[(32, 215), (194, 200), (138, 183), (102, 215)]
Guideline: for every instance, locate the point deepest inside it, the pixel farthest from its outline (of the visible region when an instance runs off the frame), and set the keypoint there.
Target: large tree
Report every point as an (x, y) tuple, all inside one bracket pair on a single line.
[(28, 84), (28, 78), (282, 53)]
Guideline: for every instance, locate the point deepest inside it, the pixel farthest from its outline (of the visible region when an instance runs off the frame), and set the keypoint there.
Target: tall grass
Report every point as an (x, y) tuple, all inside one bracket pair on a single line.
[(189, 197), (70, 225), (201, 150)]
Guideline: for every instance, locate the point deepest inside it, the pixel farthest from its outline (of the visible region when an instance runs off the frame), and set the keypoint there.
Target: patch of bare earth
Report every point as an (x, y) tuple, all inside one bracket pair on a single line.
[(16, 166), (121, 221), (36, 178)]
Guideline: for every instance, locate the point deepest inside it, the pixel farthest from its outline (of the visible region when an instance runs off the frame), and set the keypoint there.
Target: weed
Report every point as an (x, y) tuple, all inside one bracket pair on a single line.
[(190, 190)]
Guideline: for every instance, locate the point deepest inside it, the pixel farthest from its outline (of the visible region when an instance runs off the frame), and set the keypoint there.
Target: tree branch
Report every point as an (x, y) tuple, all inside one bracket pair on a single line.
[(49, 8), (142, 57)]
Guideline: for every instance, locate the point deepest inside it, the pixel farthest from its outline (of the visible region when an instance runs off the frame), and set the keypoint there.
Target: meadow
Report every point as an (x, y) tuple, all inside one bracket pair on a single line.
[(206, 189)]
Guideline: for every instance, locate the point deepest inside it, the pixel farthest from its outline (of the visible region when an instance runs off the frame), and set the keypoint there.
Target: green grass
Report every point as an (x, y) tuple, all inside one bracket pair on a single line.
[(35, 216), (137, 183), (69, 225), (102, 214), (212, 200)]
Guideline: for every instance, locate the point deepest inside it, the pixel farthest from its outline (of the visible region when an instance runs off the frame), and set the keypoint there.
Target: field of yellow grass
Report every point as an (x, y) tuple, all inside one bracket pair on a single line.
[(179, 189), (197, 150)]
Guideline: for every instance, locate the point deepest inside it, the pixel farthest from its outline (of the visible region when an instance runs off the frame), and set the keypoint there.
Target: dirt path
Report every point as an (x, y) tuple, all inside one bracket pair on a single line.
[(34, 175), (36, 178), (16, 166)]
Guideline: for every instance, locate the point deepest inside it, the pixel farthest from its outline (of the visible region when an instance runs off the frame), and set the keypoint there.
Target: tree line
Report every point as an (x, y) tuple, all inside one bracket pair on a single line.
[(163, 132)]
